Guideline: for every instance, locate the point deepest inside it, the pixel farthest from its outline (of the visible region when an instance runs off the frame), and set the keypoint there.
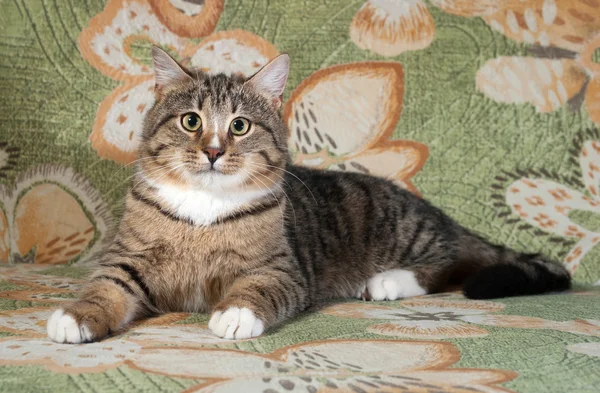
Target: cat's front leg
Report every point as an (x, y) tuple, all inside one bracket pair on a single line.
[(258, 301), (112, 299)]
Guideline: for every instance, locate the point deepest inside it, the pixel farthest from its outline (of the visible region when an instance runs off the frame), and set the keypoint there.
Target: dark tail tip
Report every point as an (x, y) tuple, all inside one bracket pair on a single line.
[(517, 279)]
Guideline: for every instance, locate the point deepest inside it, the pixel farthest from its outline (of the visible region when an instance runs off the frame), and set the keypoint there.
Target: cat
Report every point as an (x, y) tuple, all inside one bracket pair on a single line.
[(218, 220)]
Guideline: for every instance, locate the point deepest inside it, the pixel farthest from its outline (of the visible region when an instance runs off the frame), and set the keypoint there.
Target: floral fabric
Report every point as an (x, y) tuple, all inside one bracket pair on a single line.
[(489, 109), (435, 343)]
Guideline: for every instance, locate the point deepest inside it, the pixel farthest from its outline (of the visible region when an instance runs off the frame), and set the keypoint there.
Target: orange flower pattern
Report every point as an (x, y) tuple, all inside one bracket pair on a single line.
[(51, 215), (563, 35), (450, 317), (342, 117)]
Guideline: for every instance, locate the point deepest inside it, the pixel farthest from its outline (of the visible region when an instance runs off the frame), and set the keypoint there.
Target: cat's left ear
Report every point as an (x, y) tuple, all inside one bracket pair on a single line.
[(166, 69), (270, 80)]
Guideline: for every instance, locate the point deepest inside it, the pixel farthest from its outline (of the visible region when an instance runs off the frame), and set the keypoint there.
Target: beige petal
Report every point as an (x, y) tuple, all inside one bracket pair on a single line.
[(51, 219), (197, 20), (389, 27), (428, 329), (117, 131), (176, 335), (590, 349), (546, 84), (357, 310), (231, 52), (455, 381), (58, 214), (463, 379), (344, 109), (462, 307), (592, 104), (351, 356), (377, 356), (470, 7), (589, 161), (24, 321), (204, 363), (515, 321), (563, 24), (395, 160), (546, 204), (68, 358)]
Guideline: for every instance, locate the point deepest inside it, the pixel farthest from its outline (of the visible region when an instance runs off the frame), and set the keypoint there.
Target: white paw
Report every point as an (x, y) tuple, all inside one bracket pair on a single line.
[(62, 328), (394, 284), (236, 323), (360, 294)]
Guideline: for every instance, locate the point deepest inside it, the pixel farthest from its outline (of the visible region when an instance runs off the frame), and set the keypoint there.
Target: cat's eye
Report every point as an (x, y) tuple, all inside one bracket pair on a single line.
[(191, 122), (239, 126)]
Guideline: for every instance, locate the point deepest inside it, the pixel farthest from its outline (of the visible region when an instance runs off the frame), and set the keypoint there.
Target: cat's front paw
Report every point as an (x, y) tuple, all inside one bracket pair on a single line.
[(63, 328), (236, 323)]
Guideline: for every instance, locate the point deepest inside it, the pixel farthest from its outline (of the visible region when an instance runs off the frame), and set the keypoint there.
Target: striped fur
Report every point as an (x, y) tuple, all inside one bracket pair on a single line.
[(256, 240)]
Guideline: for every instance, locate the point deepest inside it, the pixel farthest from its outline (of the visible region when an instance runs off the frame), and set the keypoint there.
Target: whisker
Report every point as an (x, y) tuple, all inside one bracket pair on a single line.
[(118, 186), (136, 162), (171, 169), (286, 171), (252, 177), (286, 195), (268, 170)]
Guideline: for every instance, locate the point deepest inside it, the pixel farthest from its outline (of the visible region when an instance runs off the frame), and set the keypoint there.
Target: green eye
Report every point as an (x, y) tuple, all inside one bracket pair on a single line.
[(191, 122), (239, 126)]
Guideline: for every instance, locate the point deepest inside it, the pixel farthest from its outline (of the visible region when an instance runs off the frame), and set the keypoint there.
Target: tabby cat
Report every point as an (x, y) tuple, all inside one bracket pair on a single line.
[(218, 220)]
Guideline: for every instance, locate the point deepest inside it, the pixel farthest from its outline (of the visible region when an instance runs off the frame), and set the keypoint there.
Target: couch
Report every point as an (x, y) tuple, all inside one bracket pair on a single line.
[(489, 109)]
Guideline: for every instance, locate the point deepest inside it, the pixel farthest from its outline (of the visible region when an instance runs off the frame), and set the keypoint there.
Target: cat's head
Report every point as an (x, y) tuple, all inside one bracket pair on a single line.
[(217, 132)]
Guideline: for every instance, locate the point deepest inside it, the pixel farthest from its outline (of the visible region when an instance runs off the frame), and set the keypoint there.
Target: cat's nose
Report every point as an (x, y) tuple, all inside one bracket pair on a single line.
[(213, 154)]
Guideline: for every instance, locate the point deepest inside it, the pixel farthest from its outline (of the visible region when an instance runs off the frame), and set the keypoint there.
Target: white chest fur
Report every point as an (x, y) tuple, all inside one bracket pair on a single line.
[(206, 207)]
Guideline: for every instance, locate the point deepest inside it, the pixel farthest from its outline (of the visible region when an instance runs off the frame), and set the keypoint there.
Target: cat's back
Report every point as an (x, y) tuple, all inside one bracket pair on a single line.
[(320, 189), (339, 222)]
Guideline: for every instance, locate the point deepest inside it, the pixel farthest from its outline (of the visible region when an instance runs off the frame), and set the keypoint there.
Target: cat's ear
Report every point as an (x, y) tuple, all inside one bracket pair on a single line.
[(270, 80), (166, 69)]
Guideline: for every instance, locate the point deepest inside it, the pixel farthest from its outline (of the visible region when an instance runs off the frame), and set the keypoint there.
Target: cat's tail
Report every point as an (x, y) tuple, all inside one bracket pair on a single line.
[(496, 271)]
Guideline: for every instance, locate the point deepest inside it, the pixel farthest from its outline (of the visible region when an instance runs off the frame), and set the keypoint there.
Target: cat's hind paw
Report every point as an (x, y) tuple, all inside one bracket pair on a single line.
[(236, 323), (63, 328), (394, 284)]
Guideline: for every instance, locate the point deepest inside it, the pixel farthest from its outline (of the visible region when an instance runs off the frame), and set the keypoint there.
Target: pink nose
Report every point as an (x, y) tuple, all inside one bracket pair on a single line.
[(213, 154)]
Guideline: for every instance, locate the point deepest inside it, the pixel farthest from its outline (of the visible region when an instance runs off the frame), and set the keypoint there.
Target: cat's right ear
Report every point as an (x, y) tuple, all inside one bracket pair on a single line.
[(166, 69)]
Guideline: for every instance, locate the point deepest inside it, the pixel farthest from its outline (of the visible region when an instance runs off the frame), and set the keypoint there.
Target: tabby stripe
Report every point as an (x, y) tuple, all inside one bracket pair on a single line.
[(136, 235), (426, 248), (273, 257), (390, 216), (159, 125), (272, 133), (279, 294), (135, 276), (93, 302), (303, 269), (156, 152), (267, 295), (237, 254), (408, 249), (121, 245), (401, 201), (255, 210), (368, 230), (393, 385), (117, 281), (264, 155), (125, 254), (139, 197)]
